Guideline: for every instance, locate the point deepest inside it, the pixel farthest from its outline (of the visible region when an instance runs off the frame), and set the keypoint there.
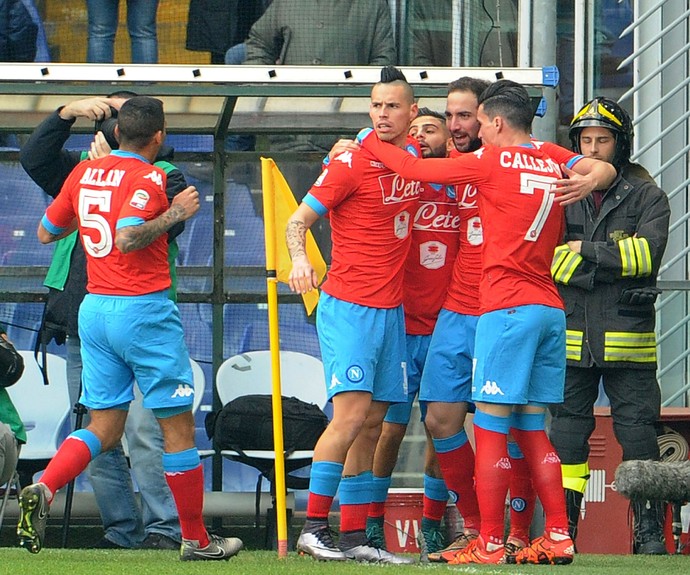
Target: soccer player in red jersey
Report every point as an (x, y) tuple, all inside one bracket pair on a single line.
[(359, 318), (520, 340), (428, 269), (128, 326)]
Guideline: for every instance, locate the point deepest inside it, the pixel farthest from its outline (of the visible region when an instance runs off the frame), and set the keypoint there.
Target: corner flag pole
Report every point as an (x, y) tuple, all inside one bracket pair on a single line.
[(274, 342)]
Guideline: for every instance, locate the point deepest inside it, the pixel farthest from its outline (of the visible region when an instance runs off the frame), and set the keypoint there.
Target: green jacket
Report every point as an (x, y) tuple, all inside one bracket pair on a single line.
[(9, 416), (8, 413)]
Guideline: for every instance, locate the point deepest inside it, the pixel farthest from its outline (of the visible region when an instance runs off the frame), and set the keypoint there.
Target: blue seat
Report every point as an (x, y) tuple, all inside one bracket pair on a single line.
[(19, 194), (18, 241), (190, 142)]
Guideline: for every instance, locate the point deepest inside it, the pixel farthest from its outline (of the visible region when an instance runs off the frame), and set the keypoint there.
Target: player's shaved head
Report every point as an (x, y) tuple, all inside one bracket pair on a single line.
[(393, 76)]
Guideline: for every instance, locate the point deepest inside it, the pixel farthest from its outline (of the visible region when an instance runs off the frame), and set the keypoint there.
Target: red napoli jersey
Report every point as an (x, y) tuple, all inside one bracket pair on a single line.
[(371, 210), (431, 257), (463, 291), (522, 224), (124, 188)]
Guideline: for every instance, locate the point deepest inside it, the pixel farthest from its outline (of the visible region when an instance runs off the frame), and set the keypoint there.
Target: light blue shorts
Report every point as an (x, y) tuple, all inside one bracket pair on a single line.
[(520, 356), (417, 348), (128, 338), (362, 349), (448, 371)]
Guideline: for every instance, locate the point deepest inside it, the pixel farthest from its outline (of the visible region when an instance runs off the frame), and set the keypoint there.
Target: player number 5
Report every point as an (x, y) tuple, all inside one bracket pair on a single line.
[(101, 244)]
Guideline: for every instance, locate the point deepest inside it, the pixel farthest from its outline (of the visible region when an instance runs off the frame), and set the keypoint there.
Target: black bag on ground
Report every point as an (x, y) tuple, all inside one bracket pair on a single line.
[(247, 423)]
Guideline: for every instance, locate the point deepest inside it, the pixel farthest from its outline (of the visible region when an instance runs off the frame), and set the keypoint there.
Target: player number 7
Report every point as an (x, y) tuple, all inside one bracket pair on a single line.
[(529, 184)]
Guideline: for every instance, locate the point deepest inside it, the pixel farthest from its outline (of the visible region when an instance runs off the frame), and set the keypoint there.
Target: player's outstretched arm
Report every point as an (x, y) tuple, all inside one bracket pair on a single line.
[(183, 207), (437, 170), (302, 277), (586, 176)]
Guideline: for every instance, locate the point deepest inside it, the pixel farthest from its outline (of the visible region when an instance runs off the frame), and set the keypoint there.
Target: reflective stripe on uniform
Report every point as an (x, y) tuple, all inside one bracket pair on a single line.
[(575, 476), (565, 262), (636, 258), (626, 346), (573, 344)]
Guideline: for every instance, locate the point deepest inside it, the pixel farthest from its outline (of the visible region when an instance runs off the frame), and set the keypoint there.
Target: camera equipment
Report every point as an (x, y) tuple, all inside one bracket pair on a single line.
[(107, 126)]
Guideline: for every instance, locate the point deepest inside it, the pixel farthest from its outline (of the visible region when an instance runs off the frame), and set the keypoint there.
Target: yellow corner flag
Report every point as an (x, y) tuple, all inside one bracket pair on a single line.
[(278, 196)]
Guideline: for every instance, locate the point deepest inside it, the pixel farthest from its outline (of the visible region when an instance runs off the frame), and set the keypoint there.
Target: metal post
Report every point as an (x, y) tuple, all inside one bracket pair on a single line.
[(544, 54)]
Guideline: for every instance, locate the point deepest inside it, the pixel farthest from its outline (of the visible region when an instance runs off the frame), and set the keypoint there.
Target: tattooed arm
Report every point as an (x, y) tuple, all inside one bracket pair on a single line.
[(183, 207), (302, 278)]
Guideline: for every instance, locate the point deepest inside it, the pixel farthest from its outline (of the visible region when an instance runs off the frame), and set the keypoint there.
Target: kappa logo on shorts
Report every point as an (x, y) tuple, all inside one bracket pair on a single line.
[(335, 382), (502, 463), (355, 373), (491, 388), (551, 457), (183, 390)]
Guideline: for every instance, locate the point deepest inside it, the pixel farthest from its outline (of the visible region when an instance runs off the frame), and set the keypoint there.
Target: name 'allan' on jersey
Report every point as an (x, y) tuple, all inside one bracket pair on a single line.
[(115, 191)]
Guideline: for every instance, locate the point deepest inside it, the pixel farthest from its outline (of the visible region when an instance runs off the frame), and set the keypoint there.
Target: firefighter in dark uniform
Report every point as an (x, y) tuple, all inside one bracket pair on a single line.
[(606, 273)]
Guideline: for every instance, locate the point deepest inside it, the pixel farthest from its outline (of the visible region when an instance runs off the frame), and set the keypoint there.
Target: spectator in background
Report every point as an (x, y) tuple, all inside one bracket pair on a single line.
[(216, 25), (12, 432), (319, 33), (323, 33), (18, 43), (491, 36), (18, 32), (103, 16), (43, 158)]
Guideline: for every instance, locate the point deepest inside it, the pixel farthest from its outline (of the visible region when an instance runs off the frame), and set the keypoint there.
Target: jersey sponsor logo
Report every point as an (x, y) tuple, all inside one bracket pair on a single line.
[(518, 504), (475, 232), (437, 216), (396, 189), (468, 198), (355, 373), (320, 179), (156, 177), (139, 199), (99, 177), (183, 390), (401, 226), (374, 164), (345, 158), (491, 388), (432, 255)]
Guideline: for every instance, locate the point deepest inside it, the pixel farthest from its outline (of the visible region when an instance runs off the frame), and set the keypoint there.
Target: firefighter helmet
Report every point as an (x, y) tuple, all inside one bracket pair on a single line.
[(604, 113)]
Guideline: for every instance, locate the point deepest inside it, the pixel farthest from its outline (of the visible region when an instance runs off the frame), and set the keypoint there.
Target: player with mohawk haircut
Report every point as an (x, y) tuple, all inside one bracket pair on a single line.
[(360, 320)]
